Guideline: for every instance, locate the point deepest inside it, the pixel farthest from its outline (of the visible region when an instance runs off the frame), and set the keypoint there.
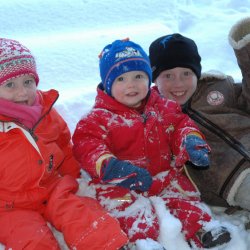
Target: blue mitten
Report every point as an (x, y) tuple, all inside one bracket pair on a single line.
[(197, 150), (124, 174)]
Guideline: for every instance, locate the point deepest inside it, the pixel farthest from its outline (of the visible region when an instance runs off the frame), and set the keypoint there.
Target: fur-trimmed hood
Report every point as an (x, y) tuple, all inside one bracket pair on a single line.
[(239, 35), (213, 74)]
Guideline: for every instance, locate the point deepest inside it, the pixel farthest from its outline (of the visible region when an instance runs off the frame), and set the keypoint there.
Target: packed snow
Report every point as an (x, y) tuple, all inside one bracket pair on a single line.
[(67, 36)]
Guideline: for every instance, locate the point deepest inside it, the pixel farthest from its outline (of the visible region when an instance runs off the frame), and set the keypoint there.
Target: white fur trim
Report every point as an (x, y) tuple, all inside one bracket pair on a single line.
[(213, 74), (240, 42), (236, 185)]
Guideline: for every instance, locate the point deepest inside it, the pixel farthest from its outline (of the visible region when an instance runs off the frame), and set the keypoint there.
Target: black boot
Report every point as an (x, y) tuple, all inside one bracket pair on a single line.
[(215, 237)]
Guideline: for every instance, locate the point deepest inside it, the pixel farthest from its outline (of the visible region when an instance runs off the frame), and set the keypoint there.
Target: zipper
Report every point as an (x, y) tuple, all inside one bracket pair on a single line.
[(144, 117), (51, 162)]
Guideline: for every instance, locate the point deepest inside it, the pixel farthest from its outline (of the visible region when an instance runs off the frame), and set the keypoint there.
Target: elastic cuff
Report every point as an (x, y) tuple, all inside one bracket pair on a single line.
[(196, 134), (100, 161)]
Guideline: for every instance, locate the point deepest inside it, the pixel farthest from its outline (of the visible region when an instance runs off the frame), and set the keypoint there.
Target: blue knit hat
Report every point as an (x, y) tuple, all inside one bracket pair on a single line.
[(120, 57)]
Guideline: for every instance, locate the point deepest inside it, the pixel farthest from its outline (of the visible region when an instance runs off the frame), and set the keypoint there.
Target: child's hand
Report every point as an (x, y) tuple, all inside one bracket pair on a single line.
[(124, 174), (196, 151)]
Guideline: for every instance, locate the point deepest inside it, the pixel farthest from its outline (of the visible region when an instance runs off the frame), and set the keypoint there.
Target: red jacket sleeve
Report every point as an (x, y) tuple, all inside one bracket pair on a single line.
[(182, 126), (91, 141), (70, 165)]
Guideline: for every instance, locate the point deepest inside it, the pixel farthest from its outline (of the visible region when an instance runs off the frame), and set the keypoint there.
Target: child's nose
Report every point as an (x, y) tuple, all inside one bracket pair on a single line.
[(178, 80), (22, 91), (131, 83)]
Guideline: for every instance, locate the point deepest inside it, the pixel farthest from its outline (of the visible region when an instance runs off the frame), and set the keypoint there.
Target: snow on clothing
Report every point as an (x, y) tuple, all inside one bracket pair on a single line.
[(147, 140), (221, 108), (37, 184)]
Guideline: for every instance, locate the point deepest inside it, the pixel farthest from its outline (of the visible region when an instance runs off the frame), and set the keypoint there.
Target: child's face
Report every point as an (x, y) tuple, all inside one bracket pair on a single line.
[(21, 90), (131, 88), (177, 84)]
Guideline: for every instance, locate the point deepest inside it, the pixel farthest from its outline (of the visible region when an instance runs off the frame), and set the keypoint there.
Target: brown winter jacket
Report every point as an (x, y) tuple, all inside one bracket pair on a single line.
[(221, 108)]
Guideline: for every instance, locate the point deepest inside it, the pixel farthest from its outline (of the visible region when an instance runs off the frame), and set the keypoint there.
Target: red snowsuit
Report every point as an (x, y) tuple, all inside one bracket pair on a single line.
[(148, 140), (38, 184)]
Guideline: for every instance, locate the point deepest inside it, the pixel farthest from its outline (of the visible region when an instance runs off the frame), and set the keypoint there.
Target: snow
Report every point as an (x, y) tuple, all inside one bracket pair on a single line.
[(67, 36)]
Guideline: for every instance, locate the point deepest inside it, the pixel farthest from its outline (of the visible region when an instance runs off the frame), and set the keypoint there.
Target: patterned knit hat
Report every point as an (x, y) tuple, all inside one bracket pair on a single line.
[(15, 60), (171, 51), (120, 57)]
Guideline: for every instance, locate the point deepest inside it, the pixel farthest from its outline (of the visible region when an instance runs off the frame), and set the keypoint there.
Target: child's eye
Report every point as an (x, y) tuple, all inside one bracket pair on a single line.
[(9, 84), (120, 79), (139, 76), (187, 73), (169, 76), (29, 82)]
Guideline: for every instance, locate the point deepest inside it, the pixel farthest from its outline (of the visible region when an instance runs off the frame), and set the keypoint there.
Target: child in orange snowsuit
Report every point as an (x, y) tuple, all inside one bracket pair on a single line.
[(37, 170)]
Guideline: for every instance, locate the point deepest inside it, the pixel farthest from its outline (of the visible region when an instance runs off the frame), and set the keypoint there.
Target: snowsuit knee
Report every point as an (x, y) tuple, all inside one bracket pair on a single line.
[(81, 219)]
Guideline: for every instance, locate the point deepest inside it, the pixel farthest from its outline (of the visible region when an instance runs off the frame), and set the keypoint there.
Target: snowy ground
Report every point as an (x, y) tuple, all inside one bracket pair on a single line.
[(67, 36)]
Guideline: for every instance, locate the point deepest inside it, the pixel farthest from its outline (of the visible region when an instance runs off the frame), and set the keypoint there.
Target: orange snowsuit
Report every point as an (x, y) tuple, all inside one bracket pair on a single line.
[(38, 184)]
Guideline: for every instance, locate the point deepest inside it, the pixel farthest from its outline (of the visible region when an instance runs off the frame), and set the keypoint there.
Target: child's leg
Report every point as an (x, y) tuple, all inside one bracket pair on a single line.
[(24, 229), (83, 222), (183, 200), (136, 214)]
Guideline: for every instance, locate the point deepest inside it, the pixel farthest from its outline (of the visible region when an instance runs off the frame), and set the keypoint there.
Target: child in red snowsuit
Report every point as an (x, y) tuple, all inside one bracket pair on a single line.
[(134, 144), (37, 170)]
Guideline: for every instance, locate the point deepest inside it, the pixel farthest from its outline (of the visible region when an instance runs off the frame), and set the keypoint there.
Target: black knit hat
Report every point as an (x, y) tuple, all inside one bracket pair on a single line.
[(171, 51)]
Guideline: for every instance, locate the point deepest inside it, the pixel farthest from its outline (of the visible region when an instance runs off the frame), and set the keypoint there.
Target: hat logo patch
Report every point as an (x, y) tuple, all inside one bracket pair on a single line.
[(128, 52), (215, 98), (165, 40)]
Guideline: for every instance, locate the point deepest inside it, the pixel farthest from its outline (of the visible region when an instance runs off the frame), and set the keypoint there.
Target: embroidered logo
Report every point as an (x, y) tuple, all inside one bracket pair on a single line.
[(128, 52), (165, 40), (215, 98)]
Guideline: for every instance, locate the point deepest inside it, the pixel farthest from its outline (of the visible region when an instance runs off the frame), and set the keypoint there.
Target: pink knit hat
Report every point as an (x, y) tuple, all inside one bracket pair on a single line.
[(15, 60)]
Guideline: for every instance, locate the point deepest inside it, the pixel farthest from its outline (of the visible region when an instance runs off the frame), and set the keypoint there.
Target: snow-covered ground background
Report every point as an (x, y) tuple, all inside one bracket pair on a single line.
[(66, 37)]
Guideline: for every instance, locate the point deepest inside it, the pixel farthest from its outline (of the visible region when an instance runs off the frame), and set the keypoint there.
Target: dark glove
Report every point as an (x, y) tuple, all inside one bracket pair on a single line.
[(194, 152), (124, 174), (197, 150)]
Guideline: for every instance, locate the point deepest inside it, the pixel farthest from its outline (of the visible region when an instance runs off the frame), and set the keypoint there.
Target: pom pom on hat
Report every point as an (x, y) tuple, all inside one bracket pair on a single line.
[(15, 60), (171, 51), (120, 57)]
